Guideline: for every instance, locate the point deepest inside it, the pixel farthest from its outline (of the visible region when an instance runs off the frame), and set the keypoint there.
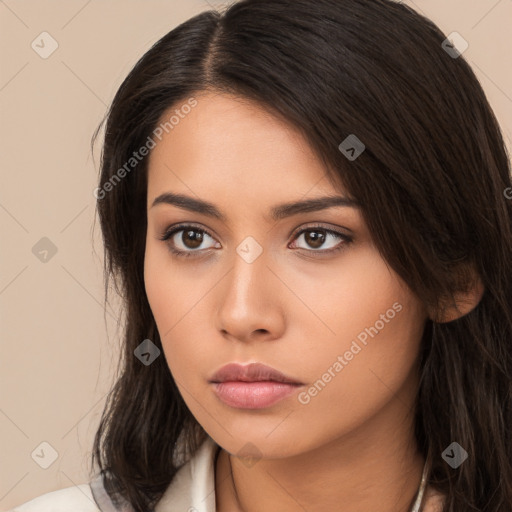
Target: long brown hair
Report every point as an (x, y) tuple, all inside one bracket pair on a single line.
[(431, 182)]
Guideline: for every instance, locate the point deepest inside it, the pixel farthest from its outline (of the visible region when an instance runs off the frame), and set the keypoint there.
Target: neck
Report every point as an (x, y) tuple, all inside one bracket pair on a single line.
[(374, 467)]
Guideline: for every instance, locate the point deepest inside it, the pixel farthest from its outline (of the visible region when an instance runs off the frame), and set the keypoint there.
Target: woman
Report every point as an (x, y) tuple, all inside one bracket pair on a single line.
[(305, 208)]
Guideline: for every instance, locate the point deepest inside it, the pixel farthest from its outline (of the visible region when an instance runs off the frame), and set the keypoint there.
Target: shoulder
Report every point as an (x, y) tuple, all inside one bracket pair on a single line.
[(77, 498)]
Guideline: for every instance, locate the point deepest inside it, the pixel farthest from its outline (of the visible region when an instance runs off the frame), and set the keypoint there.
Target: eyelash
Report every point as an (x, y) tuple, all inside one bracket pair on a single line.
[(345, 239)]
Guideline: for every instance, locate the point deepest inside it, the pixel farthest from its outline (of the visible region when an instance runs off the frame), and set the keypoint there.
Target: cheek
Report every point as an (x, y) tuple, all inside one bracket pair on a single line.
[(156, 287), (167, 289), (340, 300), (350, 381), (175, 301), (366, 344), (166, 305)]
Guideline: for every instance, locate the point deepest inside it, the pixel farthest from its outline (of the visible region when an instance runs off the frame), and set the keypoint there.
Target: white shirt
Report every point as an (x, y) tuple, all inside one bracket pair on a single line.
[(191, 490)]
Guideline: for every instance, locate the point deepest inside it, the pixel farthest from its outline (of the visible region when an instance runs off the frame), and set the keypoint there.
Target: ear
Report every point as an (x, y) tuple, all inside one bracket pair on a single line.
[(462, 302)]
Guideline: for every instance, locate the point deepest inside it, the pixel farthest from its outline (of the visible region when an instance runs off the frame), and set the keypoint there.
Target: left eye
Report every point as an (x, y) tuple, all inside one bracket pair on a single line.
[(317, 237)]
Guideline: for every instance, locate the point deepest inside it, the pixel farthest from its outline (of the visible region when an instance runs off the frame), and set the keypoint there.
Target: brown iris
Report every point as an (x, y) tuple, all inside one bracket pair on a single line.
[(314, 238), (192, 238)]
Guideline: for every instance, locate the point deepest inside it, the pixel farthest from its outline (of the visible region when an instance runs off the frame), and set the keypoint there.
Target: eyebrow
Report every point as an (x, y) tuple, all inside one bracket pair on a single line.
[(278, 212)]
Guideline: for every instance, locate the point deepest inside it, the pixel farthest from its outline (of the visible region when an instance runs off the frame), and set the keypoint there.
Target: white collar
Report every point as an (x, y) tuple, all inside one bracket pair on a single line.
[(193, 486)]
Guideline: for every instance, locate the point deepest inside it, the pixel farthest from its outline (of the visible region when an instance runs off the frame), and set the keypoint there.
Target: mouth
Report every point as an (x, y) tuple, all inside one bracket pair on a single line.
[(253, 372), (253, 386)]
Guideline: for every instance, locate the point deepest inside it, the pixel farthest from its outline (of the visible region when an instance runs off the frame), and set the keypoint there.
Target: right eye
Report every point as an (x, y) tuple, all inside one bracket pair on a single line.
[(185, 239)]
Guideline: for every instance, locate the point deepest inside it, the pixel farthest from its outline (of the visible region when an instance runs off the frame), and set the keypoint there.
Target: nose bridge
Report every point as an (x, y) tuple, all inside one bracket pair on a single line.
[(249, 273), (247, 301)]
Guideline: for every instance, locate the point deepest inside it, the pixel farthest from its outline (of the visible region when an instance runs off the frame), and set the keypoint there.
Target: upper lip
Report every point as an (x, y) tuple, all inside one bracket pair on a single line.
[(253, 372)]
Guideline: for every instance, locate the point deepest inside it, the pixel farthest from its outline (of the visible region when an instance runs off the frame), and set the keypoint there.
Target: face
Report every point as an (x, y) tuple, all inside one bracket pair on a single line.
[(306, 293)]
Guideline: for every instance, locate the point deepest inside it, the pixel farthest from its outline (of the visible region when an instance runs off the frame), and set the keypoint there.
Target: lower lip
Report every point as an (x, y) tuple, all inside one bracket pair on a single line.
[(253, 395)]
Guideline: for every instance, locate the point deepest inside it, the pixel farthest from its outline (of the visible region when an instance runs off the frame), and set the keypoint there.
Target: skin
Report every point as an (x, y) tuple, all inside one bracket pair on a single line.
[(351, 448)]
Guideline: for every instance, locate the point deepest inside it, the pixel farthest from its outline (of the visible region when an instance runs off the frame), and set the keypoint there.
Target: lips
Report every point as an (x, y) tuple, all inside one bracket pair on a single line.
[(253, 372), (252, 386)]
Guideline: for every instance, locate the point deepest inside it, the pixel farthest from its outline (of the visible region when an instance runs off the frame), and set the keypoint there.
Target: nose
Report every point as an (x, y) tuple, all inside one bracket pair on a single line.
[(249, 300)]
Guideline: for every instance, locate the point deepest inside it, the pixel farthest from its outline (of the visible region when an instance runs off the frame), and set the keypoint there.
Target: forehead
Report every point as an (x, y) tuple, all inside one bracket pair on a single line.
[(230, 148)]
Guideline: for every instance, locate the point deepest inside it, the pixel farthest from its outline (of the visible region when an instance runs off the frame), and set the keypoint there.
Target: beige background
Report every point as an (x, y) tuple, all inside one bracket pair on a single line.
[(59, 348)]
